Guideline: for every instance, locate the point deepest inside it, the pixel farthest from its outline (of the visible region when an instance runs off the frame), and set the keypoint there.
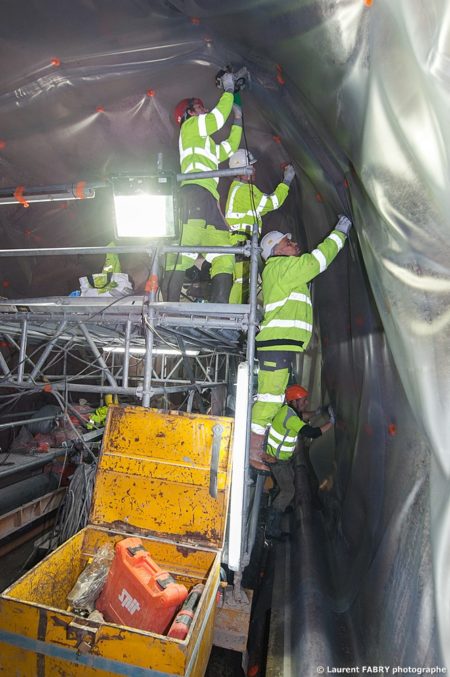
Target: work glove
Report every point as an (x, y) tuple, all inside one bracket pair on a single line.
[(289, 174), (343, 225), (332, 415), (227, 81), (237, 112)]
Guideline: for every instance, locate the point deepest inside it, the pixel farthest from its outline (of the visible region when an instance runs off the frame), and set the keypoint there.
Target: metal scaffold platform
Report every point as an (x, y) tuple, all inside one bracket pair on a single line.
[(185, 356), (193, 343)]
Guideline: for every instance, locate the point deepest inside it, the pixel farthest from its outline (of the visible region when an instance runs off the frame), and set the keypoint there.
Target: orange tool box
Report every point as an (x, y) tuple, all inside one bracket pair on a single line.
[(138, 593)]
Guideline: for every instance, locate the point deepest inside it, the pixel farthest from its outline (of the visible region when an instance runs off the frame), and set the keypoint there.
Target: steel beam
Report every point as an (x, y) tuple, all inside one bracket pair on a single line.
[(26, 514), (98, 356)]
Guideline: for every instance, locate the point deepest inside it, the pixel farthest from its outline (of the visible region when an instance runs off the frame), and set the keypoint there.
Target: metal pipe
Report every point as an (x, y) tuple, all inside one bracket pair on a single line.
[(120, 249), (47, 350), (148, 361), (16, 345), (126, 355), (254, 515), (22, 351), (97, 353), (55, 188), (216, 173), (251, 335), (114, 390), (67, 191), (3, 365), (17, 424), (34, 463)]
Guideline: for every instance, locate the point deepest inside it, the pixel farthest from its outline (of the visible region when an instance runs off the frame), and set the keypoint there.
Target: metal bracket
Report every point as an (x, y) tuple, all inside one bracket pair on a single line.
[(84, 634), (215, 452)]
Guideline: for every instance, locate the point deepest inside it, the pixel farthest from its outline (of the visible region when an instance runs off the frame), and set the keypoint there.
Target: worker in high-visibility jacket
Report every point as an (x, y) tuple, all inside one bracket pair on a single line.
[(246, 205), (202, 221), (290, 422), (98, 417), (286, 327)]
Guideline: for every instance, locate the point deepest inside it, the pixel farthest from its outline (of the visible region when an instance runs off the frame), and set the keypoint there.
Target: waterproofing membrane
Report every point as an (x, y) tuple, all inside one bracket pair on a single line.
[(356, 94)]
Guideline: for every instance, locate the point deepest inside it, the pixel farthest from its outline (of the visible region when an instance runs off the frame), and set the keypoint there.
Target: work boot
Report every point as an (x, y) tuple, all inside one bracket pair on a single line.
[(273, 525), (220, 287), (172, 284)]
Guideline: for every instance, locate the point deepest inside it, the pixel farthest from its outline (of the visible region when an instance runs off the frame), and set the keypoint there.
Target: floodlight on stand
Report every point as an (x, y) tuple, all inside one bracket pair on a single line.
[(144, 207)]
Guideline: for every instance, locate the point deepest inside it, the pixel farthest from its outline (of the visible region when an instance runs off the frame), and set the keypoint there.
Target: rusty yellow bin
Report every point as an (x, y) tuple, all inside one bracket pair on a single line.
[(164, 477)]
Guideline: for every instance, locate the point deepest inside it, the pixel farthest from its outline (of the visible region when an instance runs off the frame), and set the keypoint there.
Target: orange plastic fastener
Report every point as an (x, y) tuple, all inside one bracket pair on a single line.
[(152, 284), (56, 62), (150, 92), (276, 138), (47, 388), (18, 194), (392, 429), (79, 191), (100, 109), (253, 671), (280, 78), (2, 144), (368, 3), (195, 20)]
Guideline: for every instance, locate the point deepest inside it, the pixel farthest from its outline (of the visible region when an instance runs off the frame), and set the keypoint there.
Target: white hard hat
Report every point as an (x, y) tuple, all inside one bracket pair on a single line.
[(270, 240), (241, 158)]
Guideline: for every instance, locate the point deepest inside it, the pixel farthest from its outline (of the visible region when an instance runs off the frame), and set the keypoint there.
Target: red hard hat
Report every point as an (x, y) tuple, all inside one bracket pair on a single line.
[(295, 392), (183, 106)]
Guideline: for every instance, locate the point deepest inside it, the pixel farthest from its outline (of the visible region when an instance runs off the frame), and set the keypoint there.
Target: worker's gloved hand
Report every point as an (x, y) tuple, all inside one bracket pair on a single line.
[(289, 174), (227, 81), (343, 225), (332, 415), (237, 112)]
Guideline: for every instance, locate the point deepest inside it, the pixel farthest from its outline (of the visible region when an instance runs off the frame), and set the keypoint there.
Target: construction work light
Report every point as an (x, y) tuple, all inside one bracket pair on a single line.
[(145, 207)]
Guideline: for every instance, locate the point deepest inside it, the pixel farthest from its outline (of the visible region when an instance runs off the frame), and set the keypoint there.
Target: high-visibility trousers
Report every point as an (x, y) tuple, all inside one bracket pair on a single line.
[(202, 225), (273, 378), (241, 286)]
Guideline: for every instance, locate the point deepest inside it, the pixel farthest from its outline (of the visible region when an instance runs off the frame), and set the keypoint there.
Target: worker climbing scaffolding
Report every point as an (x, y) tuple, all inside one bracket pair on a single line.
[(290, 422), (247, 204), (286, 328), (202, 222)]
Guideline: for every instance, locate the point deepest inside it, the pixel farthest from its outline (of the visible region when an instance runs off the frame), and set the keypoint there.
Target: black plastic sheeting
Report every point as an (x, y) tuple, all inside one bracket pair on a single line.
[(356, 94)]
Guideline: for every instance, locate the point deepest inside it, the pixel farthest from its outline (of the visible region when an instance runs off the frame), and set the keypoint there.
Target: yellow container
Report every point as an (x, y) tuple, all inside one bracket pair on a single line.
[(163, 477)]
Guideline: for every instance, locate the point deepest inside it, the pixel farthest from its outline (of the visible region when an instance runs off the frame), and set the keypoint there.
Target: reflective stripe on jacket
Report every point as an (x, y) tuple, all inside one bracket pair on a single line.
[(246, 203), (288, 315), (199, 152), (283, 433)]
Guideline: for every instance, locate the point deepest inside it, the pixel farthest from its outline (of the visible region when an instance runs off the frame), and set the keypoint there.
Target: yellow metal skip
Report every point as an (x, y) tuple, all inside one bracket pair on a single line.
[(154, 479)]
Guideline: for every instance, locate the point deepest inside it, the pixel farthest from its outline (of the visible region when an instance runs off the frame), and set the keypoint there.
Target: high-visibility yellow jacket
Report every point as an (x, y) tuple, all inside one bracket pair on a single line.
[(288, 315), (199, 152), (283, 433), (247, 204)]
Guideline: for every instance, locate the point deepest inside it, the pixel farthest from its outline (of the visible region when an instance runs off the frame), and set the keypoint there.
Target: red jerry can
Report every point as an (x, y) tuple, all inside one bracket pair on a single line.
[(138, 593)]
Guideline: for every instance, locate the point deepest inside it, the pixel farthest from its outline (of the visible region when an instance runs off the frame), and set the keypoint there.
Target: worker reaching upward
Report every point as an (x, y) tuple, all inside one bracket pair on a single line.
[(286, 327), (200, 215), (247, 204)]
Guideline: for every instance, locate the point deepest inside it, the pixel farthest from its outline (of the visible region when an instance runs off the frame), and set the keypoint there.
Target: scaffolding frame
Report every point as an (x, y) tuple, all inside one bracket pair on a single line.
[(70, 321)]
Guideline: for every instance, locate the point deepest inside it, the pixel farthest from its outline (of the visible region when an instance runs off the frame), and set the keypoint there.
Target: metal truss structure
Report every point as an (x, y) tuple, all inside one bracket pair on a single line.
[(137, 347), (95, 345)]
